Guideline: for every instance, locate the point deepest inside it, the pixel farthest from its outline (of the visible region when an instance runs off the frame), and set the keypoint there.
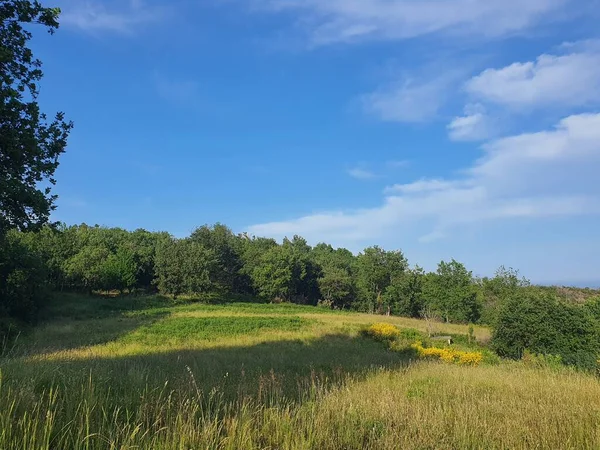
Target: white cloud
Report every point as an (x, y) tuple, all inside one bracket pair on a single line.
[(423, 185), (410, 100), (566, 80), (335, 21), (560, 84), (467, 128), (361, 174), (529, 176), (95, 16), (475, 125)]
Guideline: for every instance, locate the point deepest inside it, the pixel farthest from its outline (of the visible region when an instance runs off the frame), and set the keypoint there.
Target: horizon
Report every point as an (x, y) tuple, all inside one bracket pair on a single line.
[(465, 130)]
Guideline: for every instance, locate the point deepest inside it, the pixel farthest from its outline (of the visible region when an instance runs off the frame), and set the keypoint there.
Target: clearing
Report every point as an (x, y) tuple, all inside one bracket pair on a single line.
[(129, 372)]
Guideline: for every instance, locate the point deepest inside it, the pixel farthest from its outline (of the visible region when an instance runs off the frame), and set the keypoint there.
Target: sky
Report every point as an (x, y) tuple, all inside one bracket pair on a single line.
[(466, 129)]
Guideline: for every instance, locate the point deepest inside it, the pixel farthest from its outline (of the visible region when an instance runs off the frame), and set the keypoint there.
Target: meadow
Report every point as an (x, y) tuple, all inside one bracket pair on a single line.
[(150, 373)]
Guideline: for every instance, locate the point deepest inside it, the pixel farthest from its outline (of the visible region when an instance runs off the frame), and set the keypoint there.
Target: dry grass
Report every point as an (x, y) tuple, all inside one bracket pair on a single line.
[(426, 406), (272, 377)]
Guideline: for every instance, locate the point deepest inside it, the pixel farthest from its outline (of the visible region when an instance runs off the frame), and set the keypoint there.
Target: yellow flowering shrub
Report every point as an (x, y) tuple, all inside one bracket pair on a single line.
[(470, 358), (449, 355), (383, 331)]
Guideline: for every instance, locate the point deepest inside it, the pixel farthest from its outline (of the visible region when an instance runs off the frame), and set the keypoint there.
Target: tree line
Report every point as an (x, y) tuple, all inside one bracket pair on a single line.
[(37, 257), (214, 260)]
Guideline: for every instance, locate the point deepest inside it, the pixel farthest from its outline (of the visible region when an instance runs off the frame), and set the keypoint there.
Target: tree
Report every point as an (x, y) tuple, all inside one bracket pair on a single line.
[(29, 146), (252, 251), (336, 286), (450, 293), (23, 275), (227, 248), (405, 294), (336, 283), (287, 272), (184, 266), (86, 270), (540, 323), (143, 244), (495, 291), (376, 270), (118, 271)]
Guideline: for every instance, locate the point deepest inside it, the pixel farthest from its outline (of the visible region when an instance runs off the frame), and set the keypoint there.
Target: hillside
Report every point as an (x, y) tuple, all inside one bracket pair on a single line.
[(146, 373)]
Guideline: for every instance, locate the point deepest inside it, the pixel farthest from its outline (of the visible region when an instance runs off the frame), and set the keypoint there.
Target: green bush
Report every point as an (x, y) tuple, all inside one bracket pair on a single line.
[(541, 324), (23, 286)]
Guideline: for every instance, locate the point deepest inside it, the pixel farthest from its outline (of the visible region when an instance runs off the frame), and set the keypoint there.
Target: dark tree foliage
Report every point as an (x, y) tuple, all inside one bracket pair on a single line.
[(336, 283), (540, 323), (378, 269), (495, 291), (23, 273), (227, 248), (185, 266), (405, 294), (29, 150), (29, 145), (451, 294), (287, 273)]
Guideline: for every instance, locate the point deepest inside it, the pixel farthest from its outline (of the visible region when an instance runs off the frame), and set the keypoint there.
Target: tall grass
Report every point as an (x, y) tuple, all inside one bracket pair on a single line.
[(428, 405), (146, 375)]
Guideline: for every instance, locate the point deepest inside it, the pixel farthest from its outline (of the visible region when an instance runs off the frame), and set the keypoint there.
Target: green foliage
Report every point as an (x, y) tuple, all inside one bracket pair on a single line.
[(29, 146), (287, 272), (405, 293), (336, 286), (29, 152), (22, 280), (495, 291), (377, 269), (184, 266), (544, 325), (227, 250), (450, 293), (337, 282)]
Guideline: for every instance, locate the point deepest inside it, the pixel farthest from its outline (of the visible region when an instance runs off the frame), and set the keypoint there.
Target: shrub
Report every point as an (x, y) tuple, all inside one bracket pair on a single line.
[(449, 355), (541, 324), (541, 361), (383, 332)]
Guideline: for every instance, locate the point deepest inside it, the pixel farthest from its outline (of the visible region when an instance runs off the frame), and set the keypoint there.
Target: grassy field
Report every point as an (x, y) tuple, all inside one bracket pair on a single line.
[(145, 373)]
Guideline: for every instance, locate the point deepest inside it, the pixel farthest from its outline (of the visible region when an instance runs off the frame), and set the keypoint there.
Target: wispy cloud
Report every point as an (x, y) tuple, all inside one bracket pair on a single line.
[(532, 175), (411, 100), (475, 125), (361, 174), (335, 21), (421, 186), (108, 16)]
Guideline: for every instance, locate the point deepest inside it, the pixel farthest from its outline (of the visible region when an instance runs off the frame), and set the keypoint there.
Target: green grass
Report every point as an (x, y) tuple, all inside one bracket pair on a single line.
[(147, 372), (179, 330)]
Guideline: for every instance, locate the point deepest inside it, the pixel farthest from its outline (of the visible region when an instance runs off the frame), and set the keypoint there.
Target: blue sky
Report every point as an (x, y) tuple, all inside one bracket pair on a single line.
[(445, 128)]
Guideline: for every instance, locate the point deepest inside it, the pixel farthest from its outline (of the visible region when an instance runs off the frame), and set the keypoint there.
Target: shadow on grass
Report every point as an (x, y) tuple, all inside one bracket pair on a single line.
[(72, 321), (282, 369), (79, 307)]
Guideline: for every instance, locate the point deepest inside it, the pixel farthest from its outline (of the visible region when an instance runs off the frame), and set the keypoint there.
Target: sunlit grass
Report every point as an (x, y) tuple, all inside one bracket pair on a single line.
[(427, 405), (147, 373)]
